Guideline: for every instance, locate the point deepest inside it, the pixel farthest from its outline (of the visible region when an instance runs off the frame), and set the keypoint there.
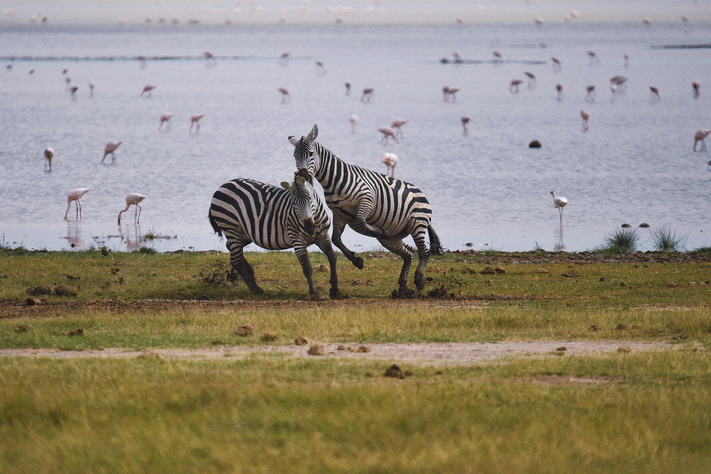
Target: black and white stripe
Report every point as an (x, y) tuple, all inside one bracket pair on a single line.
[(274, 218), (372, 204)]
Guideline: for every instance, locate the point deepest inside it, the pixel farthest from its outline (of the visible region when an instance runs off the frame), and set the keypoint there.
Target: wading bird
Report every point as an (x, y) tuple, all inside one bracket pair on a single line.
[(165, 119), (367, 94), (388, 133), (590, 95), (148, 90), (700, 136), (513, 86), (465, 120), (49, 154), (133, 199), (559, 202), (390, 160), (559, 90), (195, 120), (450, 93), (348, 88), (284, 94), (655, 94), (109, 149), (353, 119), (531, 79), (586, 117), (74, 196), (557, 66), (397, 124), (696, 86)]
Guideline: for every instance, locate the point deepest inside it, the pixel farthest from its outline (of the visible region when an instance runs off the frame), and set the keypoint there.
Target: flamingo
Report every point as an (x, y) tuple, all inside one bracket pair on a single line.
[(700, 136), (320, 68), (594, 59), (655, 93), (73, 92), (348, 88), (696, 86), (210, 58), (498, 57), (388, 133), (559, 202), (559, 90), (513, 87), (586, 117), (619, 81), (284, 94), (195, 120), (67, 81), (397, 123), (75, 195), (531, 79), (353, 119), (141, 62), (465, 120), (390, 160), (556, 64), (133, 199), (49, 154), (367, 94), (626, 57), (590, 96), (284, 58), (148, 89), (165, 119), (110, 148), (450, 92), (91, 89)]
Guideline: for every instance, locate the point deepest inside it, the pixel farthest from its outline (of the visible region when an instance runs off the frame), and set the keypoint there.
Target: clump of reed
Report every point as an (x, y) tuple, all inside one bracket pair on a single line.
[(620, 241), (665, 239)]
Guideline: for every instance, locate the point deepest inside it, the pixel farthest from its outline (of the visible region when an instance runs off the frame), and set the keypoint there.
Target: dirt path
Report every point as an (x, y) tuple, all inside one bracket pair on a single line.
[(440, 354)]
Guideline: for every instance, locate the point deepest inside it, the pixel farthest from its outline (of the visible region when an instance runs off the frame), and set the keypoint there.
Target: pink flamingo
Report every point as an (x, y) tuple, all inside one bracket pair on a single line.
[(73, 92), (91, 89), (498, 57), (594, 59), (626, 57), (465, 120), (49, 154), (586, 117), (353, 119), (390, 160), (284, 58), (109, 149), (320, 68), (655, 93), (210, 58), (450, 93), (700, 136), (513, 87), (696, 86), (559, 90), (531, 79), (557, 66), (348, 88), (367, 94), (397, 124), (74, 196), (388, 133), (67, 81), (284, 94), (148, 89), (195, 120), (559, 202), (133, 199), (590, 96), (165, 119)]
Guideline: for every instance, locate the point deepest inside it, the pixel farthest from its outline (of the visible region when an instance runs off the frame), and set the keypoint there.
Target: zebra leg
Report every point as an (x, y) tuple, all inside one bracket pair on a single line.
[(338, 226), (423, 256), (235, 244), (398, 247), (303, 256), (327, 249), (360, 225)]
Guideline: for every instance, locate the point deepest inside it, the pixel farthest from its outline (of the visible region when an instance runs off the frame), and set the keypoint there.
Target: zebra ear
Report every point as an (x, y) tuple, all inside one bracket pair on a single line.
[(313, 133), (299, 180), (292, 140), (286, 185)]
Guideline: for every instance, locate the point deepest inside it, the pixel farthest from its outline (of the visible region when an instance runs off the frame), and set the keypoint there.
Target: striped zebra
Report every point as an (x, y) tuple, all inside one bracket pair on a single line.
[(248, 211), (372, 204)]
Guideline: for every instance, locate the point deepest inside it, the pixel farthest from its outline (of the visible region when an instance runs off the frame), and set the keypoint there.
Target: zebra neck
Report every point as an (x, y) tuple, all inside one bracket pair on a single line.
[(327, 172)]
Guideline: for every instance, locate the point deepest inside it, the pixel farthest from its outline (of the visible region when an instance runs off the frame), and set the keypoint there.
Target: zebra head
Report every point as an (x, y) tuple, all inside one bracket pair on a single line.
[(305, 201), (307, 160)]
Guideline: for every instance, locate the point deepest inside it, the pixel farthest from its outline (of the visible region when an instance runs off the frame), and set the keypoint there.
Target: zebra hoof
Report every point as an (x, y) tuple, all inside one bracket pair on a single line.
[(358, 262), (257, 290), (336, 294), (419, 283), (316, 297), (402, 293)]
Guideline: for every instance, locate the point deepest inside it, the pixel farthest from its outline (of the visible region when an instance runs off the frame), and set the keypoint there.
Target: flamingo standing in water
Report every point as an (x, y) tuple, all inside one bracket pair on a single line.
[(557, 66), (390, 160), (397, 124), (148, 89), (696, 86), (559, 90), (590, 95), (655, 93), (133, 199), (49, 154), (353, 119), (559, 202), (74, 196), (465, 120), (531, 79), (700, 136), (388, 133), (284, 94), (450, 93), (109, 149), (165, 119), (586, 117), (367, 94), (348, 88), (513, 87), (195, 120)]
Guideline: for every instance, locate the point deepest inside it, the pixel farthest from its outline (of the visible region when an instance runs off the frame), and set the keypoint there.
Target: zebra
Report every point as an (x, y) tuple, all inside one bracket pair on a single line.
[(372, 204), (248, 211)]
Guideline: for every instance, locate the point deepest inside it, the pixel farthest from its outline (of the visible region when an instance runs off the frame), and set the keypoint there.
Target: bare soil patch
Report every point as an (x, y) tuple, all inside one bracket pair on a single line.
[(438, 354)]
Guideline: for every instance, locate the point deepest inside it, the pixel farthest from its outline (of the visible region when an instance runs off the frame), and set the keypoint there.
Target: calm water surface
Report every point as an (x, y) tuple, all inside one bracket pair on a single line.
[(487, 188)]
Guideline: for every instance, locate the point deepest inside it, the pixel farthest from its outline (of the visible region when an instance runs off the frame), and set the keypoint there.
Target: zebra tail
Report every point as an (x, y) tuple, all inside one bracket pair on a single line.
[(213, 223), (435, 244)]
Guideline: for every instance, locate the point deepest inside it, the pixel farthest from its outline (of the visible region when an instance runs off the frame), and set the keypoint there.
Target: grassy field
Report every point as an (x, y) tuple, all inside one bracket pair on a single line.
[(622, 412)]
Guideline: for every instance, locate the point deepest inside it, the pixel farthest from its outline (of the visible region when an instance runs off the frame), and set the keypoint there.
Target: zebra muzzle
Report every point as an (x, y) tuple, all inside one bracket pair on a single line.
[(309, 226)]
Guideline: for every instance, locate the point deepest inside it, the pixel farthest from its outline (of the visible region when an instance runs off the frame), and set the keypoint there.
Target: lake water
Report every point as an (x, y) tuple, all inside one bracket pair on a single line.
[(488, 189)]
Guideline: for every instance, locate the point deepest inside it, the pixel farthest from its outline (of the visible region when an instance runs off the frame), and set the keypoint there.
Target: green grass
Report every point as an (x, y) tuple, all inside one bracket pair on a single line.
[(646, 412)]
